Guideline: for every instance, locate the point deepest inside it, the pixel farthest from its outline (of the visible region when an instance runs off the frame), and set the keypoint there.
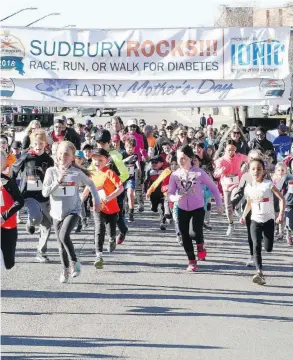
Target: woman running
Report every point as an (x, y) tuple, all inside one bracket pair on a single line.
[(185, 187), (260, 200), (11, 201), (61, 183)]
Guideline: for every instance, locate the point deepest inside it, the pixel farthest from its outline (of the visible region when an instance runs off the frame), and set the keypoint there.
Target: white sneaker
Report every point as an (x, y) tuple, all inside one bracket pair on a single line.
[(230, 229), (64, 276), (250, 262)]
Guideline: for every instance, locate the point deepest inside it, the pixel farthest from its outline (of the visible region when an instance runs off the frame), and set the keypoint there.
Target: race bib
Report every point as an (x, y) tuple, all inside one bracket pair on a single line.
[(102, 194), (231, 180), (34, 184), (6, 171), (261, 206), (1, 199), (66, 188), (290, 187), (131, 170)]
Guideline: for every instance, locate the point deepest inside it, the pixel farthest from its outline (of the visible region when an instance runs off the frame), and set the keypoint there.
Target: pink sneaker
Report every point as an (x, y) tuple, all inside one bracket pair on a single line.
[(289, 240), (201, 252), (192, 266)]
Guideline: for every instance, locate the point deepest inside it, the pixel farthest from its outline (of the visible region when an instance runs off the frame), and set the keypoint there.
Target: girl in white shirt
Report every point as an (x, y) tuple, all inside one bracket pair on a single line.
[(260, 200)]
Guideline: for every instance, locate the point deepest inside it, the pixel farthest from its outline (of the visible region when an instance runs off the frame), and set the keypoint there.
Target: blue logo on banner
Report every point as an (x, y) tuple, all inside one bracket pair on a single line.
[(7, 87), (12, 53), (265, 53)]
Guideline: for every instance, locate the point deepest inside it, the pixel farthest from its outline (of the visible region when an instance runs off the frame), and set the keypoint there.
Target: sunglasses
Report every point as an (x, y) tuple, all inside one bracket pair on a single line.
[(236, 132), (154, 161), (260, 134), (132, 126)]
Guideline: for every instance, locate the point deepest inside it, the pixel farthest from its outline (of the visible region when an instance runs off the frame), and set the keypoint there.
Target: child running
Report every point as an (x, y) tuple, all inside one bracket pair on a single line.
[(260, 201), (109, 187), (186, 188), (62, 183), (11, 201)]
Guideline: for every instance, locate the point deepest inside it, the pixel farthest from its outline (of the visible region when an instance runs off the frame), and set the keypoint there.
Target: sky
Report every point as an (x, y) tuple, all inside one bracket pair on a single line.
[(123, 13)]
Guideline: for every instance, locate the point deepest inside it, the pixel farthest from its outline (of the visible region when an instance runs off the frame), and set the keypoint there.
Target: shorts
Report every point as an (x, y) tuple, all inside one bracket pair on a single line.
[(130, 183), (289, 218)]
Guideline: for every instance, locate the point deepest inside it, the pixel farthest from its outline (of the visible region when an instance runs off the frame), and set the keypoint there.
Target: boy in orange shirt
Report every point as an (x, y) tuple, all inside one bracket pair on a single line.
[(109, 186)]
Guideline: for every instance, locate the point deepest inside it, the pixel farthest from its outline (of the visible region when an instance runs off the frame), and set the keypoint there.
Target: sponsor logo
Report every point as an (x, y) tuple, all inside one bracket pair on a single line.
[(12, 53), (258, 53), (272, 88), (7, 87)]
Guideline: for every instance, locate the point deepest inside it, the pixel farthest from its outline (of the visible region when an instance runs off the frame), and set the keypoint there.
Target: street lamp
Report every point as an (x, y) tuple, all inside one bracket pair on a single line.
[(69, 26), (52, 14), (17, 12)]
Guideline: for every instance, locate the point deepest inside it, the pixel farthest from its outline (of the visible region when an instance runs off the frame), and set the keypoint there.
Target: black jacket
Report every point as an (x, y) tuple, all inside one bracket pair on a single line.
[(263, 146), (31, 165), (70, 135), (11, 187)]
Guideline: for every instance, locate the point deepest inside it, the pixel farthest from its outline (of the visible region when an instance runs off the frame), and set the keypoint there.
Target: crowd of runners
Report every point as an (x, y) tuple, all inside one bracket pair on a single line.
[(70, 173)]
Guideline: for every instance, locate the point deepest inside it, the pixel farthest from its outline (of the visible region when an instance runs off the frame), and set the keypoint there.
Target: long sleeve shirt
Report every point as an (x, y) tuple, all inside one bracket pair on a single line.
[(189, 185), (64, 197)]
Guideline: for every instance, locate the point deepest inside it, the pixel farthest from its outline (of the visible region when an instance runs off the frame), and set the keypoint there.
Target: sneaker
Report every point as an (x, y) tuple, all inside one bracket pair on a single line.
[(179, 240), (78, 229), (42, 258), (75, 269), (84, 223), (141, 208), (99, 263), (163, 227), (120, 238), (30, 229), (207, 226), (201, 252), (280, 236), (289, 239), (259, 279), (250, 262), (131, 217), (112, 245), (230, 230), (191, 267), (64, 276)]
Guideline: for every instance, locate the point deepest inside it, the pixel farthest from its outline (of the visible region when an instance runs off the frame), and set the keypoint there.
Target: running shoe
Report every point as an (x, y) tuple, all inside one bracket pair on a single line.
[(75, 269), (201, 252), (179, 240), (131, 217), (84, 223), (42, 258), (99, 263), (163, 227), (30, 229), (141, 208), (120, 239), (112, 245), (289, 239), (280, 236), (64, 276), (250, 262), (191, 267), (230, 230), (259, 279)]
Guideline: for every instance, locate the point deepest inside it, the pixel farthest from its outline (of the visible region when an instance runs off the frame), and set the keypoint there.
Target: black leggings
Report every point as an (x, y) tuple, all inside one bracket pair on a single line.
[(248, 224), (8, 245), (184, 218), (261, 231), (63, 229), (101, 219)]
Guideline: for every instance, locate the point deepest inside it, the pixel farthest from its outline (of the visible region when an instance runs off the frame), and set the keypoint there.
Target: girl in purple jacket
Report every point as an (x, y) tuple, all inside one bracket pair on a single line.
[(185, 187)]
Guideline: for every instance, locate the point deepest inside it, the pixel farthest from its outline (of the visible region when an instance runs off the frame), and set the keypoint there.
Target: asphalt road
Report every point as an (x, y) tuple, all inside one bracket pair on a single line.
[(144, 305)]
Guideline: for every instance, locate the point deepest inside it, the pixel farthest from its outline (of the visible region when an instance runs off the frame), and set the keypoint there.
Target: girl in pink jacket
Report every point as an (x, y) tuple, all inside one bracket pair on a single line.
[(228, 169)]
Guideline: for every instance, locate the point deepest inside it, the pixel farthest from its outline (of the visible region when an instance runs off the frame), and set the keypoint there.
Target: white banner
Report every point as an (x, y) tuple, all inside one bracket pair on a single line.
[(145, 54), (144, 93)]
